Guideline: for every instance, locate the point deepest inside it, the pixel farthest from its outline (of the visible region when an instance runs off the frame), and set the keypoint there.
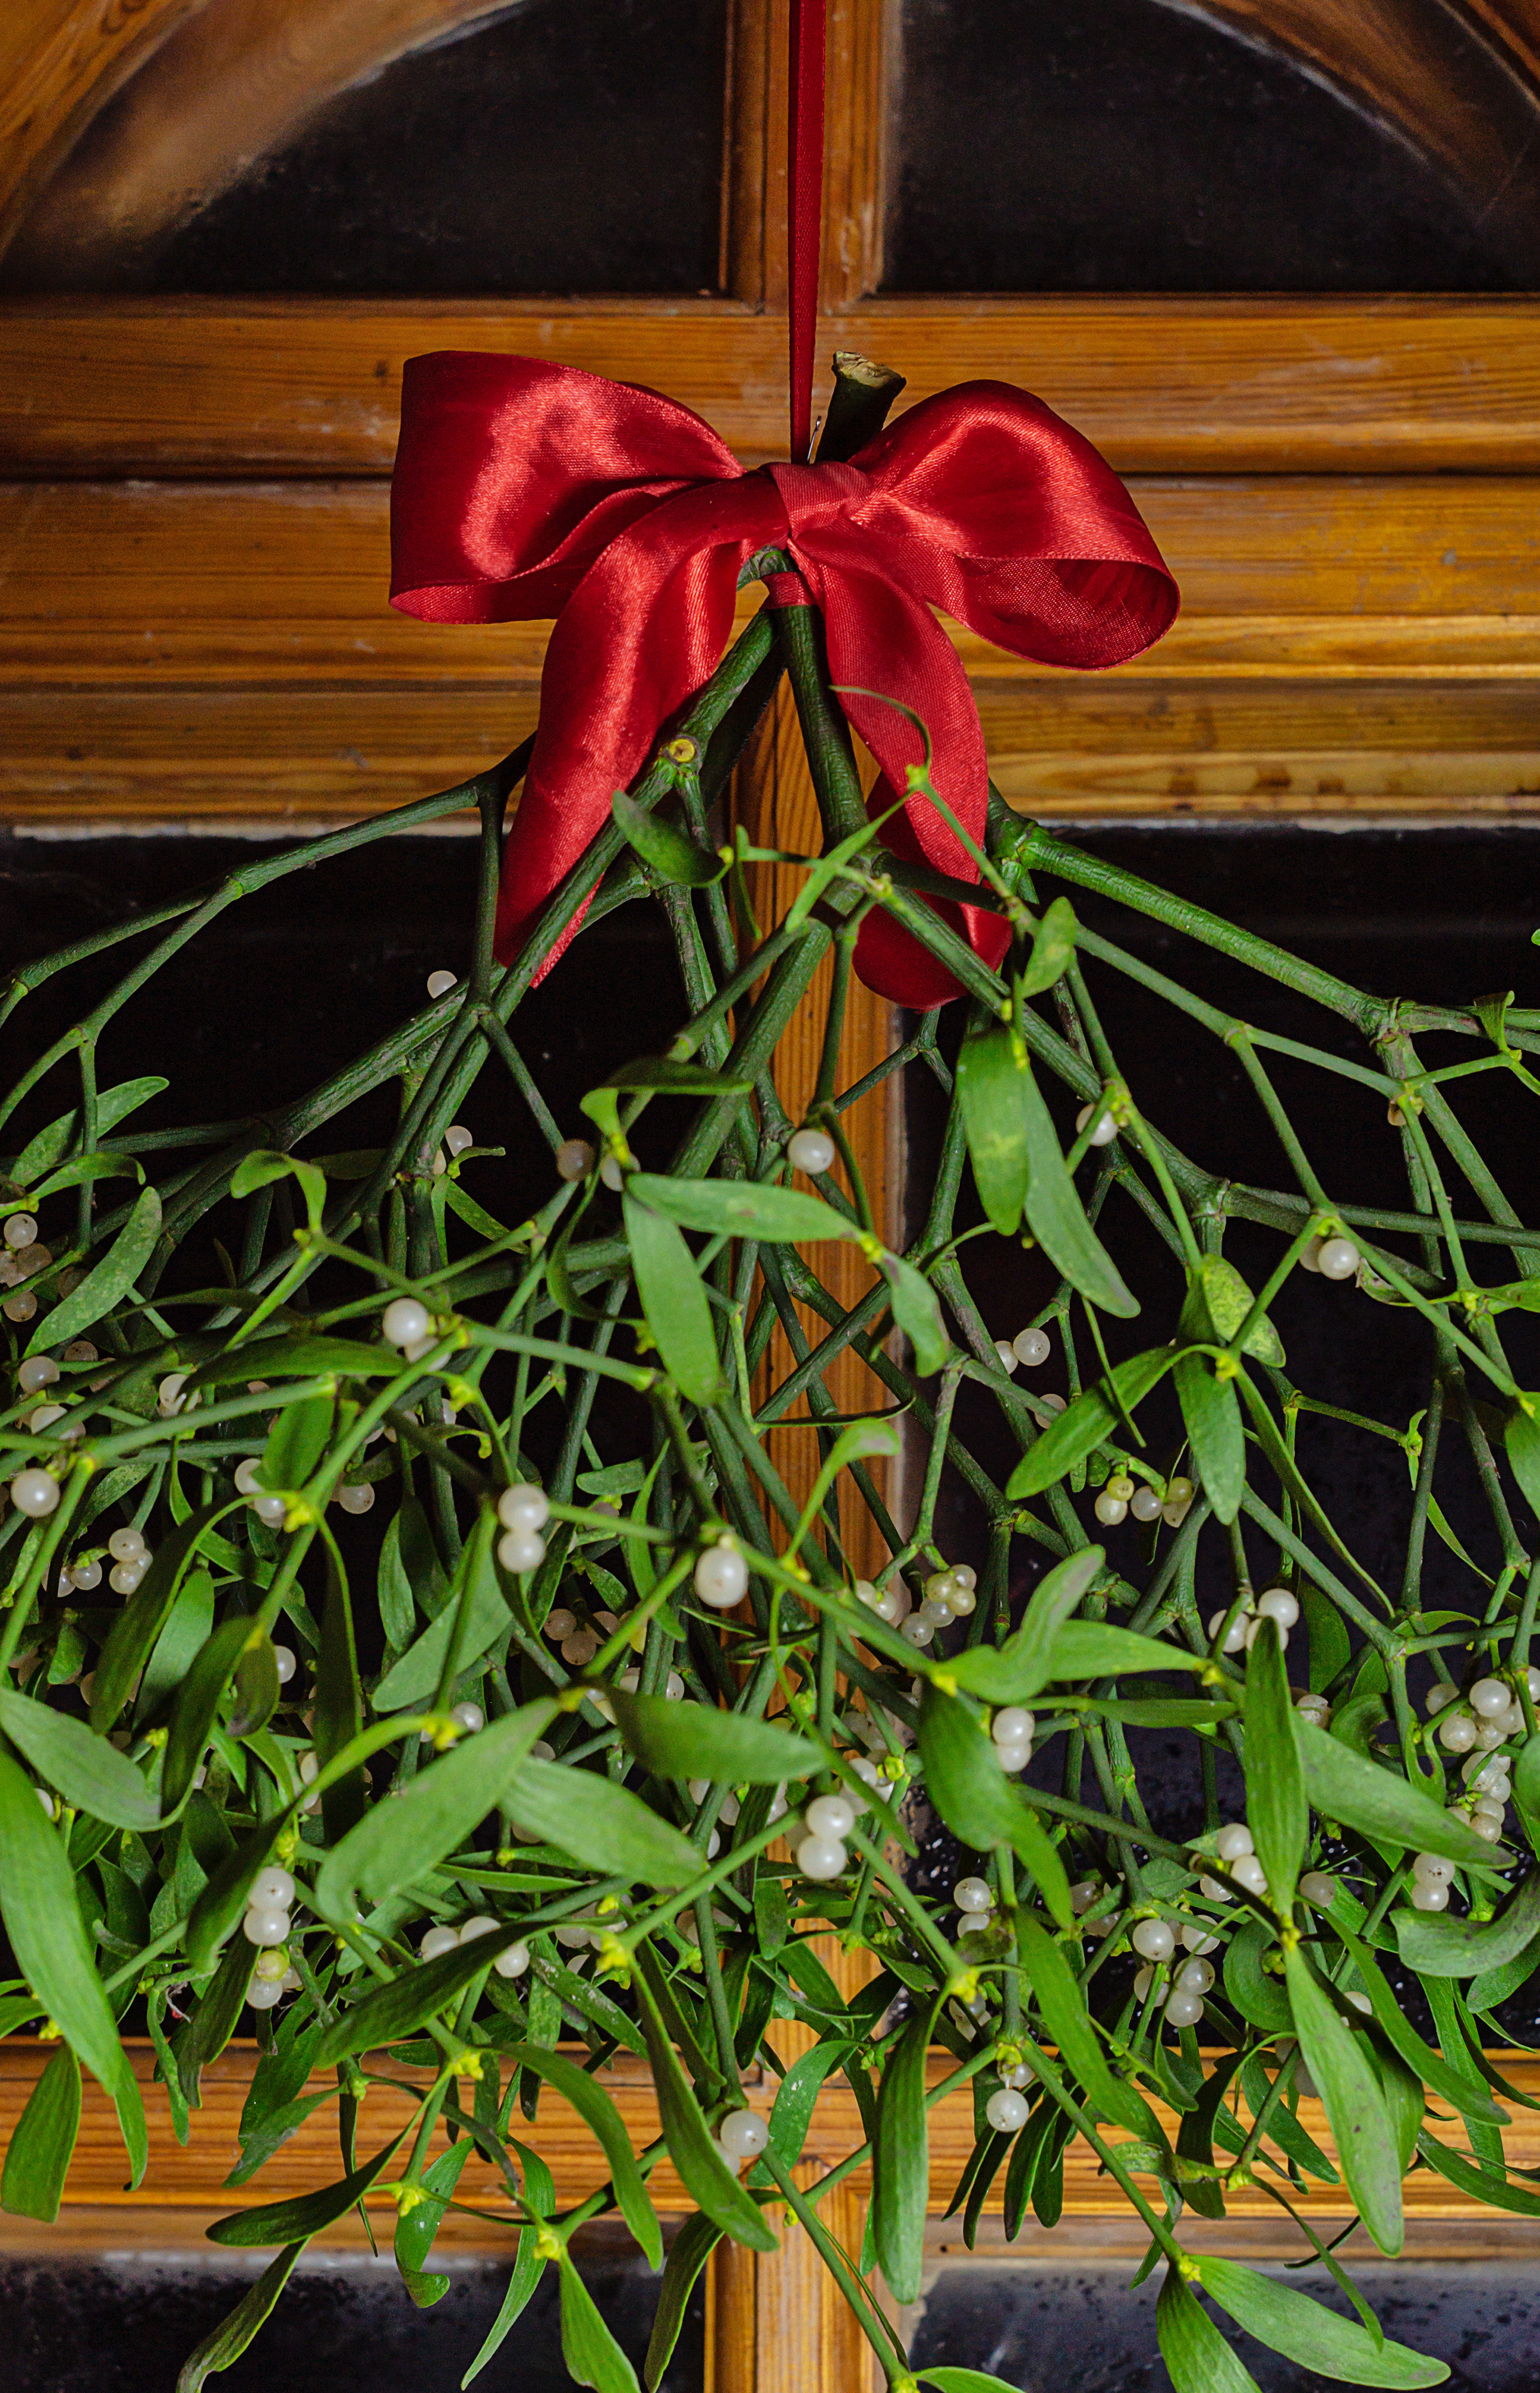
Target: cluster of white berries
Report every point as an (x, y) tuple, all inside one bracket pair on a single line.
[(1007, 2110), (721, 1576), (1478, 1725), (728, 1813), (510, 1963), (1028, 1350), (467, 1718), (740, 2136), (266, 1924), (575, 1158), (1482, 1720), (1431, 1877), (828, 1820), (35, 1492), (407, 1323), (131, 1558), (1155, 1942), (1123, 1494), (630, 1681), (457, 1138), (949, 1595), (1276, 1603), (1232, 1845), (266, 1506), (1012, 1729), (1082, 1895), (892, 1604), (1333, 1258), (578, 1646), (731, 1806), (1179, 1492), (524, 1511), (20, 1258), (812, 1151)]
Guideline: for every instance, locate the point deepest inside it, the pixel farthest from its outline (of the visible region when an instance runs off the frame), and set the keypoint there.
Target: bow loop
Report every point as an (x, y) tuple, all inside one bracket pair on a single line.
[(527, 488), (512, 476)]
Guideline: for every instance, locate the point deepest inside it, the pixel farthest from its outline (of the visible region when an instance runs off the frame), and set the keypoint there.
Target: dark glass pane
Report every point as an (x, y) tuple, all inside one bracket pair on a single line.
[(281, 992), (357, 938), (1086, 2330), (1433, 915), (1126, 145), (570, 145), (125, 2325)]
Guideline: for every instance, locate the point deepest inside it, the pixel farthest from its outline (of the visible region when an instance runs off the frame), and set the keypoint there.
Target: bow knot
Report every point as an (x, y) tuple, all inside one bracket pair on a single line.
[(812, 494), (523, 489)]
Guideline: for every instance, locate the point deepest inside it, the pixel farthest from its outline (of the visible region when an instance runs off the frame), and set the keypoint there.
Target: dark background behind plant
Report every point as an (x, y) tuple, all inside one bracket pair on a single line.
[(291, 982)]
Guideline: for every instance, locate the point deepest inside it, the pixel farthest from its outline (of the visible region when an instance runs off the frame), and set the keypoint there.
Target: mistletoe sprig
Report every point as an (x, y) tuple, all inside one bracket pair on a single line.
[(635, 1726)]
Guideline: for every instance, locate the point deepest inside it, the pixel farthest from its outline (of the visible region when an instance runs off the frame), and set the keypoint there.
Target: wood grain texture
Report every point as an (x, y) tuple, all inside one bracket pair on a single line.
[(774, 800), (210, 754), (61, 61), (230, 85), (1162, 385), (753, 211), (188, 2184), (861, 69), (1311, 576), (205, 754), (1357, 644), (806, 2333)]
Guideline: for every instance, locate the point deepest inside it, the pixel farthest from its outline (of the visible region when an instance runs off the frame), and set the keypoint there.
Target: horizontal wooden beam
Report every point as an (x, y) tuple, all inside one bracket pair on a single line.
[(191, 650), (179, 387), (1321, 576), (189, 2183)]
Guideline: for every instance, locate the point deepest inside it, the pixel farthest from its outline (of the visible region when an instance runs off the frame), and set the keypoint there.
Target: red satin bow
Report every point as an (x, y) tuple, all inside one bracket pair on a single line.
[(523, 489)]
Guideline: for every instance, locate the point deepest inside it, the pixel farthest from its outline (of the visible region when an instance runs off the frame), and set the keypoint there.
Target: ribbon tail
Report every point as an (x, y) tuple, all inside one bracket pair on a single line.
[(643, 630), (882, 639)]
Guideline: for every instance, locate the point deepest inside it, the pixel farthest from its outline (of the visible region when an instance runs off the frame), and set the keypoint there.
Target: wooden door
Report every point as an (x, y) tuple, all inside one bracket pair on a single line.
[(1344, 472)]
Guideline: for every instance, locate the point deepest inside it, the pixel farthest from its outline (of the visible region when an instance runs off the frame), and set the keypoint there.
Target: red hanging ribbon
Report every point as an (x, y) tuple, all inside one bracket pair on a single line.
[(523, 489), (804, 192)]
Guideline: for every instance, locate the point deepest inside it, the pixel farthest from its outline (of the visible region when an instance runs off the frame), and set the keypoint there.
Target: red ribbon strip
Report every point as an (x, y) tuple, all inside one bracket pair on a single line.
[(523, 489)]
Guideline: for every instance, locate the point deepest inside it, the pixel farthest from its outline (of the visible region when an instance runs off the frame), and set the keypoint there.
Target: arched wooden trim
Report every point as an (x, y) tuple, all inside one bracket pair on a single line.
[(60, 61), (211, 84), (233, 83), (1461, 88)]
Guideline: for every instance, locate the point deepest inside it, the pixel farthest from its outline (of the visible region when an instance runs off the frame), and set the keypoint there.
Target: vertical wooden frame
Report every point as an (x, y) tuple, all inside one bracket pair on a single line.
[(753, 257), (775, 2322), (862, 51), (774, 800)]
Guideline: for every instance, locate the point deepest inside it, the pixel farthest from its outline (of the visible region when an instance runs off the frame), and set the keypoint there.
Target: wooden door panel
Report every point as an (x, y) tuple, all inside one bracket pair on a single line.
[(1194, 386)]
